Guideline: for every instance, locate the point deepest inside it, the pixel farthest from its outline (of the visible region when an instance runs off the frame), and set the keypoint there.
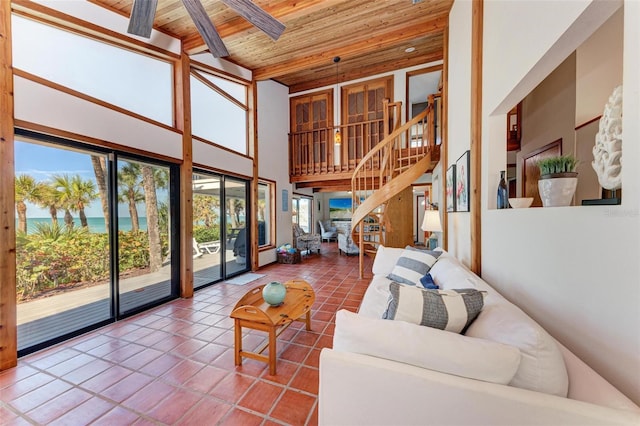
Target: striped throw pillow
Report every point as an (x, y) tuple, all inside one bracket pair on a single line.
[(450, 310), (412, 265)]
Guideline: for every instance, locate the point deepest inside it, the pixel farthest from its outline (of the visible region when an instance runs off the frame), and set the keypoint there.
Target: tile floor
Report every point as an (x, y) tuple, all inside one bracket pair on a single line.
[(174, 364)]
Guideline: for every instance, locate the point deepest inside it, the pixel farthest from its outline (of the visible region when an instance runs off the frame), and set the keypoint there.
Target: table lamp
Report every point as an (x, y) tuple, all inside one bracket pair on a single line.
[(431, 222)]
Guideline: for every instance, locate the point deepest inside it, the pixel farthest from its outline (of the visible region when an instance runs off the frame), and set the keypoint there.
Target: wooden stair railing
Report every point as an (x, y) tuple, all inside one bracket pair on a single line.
[(403, 156)]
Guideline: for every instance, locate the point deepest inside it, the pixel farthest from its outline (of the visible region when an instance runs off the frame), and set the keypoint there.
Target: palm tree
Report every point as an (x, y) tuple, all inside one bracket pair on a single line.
[(75, 194), (27, 190), (130, 191), (153, 230), (62, 184), (100, 169), (205, 209), (50, 199), (84, 192)]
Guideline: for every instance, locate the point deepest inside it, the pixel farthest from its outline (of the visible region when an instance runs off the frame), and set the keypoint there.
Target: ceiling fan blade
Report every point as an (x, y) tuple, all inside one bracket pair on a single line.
[(141, 20), (206, 28), (258, 17)]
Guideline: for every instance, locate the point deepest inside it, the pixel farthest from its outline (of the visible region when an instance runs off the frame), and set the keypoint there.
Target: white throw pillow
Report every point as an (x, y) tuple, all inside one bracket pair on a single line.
[(449, 274), (426, 347), (385, 260), (542, 368)]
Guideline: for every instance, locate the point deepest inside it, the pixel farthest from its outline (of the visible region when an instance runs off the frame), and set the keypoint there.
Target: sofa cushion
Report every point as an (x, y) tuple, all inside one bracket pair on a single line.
[(542, 368), (412, 265), (450, 310), (449, 274), (385, 260), (426, 347)]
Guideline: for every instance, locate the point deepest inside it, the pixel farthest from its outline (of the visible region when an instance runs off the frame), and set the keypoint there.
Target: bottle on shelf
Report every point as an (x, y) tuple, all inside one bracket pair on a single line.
[(503, 192)]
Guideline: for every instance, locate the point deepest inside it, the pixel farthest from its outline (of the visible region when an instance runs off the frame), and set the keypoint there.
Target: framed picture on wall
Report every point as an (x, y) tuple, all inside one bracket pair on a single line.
[(451, 184), (462, 183)]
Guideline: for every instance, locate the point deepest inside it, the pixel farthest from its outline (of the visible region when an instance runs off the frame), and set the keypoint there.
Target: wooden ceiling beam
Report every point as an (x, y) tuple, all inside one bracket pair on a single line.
[(322, 56), (288, 9)]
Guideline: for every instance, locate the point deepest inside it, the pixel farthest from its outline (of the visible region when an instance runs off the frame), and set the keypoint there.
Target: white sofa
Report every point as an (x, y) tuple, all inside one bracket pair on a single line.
[(505, 370)]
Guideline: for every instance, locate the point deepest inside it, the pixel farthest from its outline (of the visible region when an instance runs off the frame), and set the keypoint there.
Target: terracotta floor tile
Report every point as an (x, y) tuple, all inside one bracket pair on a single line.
[(84, 413), (161, 365), (295, 353), (260, 397), (40, 395), (232, 387), (182, 372), (106, 379), (168, 343), (153, 338), (21, 387), (51, 357), (313, 359), (174, 406), (87, 371), (307, 338), (238, 417), (208, 411), (188, 348), (12, 375), (324, 342), (306, 379), (211, 333), (123, 353), (141, 359), (208, 353), (58, 406), (149, 396), (117, 416), (91, 343), (127, 386), (285, 371), (293, 408), (206, 379)]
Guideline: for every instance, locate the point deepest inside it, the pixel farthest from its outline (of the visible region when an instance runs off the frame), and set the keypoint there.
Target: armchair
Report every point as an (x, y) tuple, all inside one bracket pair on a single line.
[(327, 231), (304, 241), (346, 245)]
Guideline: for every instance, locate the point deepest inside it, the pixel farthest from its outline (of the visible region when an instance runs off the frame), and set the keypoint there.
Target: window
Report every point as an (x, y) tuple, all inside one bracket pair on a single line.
[(301, 212), (265, 212), (97, 69), (217, 115)]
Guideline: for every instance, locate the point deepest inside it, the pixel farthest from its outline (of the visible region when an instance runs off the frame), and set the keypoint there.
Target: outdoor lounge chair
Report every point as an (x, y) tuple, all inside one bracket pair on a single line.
[(210, 247)]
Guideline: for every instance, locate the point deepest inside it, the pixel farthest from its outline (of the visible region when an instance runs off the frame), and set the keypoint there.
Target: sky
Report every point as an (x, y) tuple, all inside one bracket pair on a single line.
[(42, 162)]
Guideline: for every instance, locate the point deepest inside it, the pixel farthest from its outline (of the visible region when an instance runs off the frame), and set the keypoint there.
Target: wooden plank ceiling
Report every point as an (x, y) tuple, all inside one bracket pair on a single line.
[(370, 36)]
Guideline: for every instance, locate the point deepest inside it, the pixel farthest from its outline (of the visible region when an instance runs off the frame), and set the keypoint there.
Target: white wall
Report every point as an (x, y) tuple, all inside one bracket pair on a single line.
[(574, 269), (273, 153), (459, 113), (599, 68)]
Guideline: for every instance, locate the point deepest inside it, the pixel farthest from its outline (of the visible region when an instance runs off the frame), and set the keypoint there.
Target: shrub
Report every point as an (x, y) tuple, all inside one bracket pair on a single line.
[(204, 234)]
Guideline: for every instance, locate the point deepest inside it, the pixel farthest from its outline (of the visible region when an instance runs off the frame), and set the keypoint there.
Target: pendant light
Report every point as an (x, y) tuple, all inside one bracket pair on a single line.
[(337, 138)]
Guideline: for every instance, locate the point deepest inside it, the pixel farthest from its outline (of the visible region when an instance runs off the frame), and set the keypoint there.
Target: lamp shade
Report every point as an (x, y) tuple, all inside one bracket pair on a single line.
[(431, 221)]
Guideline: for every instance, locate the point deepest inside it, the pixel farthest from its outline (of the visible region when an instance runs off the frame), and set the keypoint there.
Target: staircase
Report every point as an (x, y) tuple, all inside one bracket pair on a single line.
[(395, 163)]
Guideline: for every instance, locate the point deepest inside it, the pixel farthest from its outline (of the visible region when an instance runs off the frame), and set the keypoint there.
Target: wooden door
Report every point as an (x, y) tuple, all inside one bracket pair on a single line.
[(531, 172), (362, 104), (311, 130)]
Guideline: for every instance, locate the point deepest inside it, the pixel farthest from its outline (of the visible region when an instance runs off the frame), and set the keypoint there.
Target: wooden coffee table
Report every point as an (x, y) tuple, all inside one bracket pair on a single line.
[(253, 312)]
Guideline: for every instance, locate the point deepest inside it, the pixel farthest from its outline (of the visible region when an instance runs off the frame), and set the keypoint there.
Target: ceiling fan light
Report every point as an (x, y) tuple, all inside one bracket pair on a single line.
[(410, 49)]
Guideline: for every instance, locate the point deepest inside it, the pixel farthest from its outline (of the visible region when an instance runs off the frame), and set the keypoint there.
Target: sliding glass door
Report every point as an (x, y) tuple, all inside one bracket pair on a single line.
[(93, 239), (144, 229), (220, 241)]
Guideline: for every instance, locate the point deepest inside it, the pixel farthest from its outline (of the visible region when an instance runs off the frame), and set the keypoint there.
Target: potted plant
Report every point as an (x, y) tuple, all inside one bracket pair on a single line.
[(558, 180)]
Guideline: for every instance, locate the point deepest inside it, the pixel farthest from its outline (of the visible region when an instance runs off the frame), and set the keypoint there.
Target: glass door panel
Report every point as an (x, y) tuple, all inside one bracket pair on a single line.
[(237, 237), (208, 244), (145, 266), (63, 242)]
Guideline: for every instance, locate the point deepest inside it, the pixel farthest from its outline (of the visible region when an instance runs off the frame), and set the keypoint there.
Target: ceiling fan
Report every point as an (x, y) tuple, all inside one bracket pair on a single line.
[(144, 11)]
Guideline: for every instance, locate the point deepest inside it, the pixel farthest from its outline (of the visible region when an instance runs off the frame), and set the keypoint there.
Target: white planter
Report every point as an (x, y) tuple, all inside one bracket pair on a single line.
[(557, 192)]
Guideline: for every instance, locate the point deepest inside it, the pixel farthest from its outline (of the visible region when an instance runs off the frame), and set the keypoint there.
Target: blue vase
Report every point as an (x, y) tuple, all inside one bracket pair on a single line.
[(274, 293)]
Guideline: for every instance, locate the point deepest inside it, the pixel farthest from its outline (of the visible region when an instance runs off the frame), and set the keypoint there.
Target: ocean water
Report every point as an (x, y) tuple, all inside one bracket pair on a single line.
[(96, 224)]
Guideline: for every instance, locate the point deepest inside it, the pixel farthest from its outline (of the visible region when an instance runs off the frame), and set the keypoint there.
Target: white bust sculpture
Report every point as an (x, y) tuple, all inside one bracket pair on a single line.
[(607, 151)]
